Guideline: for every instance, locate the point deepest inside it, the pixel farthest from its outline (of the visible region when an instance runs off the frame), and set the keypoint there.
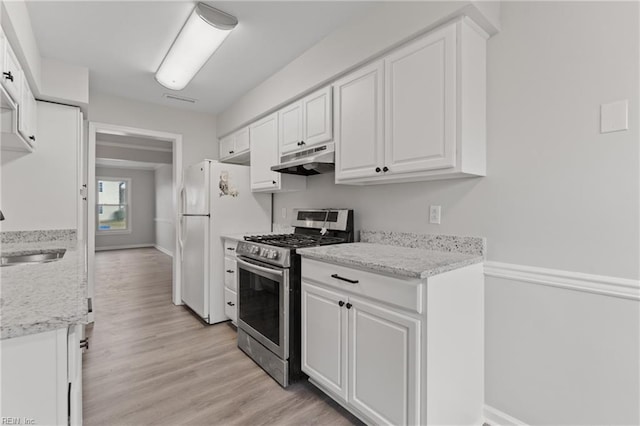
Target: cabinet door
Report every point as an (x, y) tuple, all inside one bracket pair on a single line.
[(230, 273), (33, 119), (242, 140), (359, 137), (74, 371), (264, 153), (384, 351), (25, 119), (317, 121), (231, 305), (227, 146), (324, 341), (420, 104), (34, 378), (11, 73), (290, 119)]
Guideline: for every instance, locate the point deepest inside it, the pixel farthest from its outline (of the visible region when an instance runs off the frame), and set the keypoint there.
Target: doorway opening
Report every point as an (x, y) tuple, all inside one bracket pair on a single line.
[(120, 153)]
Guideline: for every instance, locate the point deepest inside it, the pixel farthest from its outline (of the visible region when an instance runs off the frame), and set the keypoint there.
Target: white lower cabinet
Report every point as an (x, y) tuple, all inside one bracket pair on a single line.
[(42, 378), (383, 350), (230, 280), (393, 350), (362, 352)]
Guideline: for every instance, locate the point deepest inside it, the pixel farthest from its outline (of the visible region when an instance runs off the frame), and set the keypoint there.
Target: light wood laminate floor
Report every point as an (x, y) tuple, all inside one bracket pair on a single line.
[(151, 362)]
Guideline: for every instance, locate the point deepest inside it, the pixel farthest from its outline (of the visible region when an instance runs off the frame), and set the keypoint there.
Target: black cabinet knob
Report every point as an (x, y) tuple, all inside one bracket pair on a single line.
[(231, 304), (274, 182), (230, 271), (302, 143), (385, 169), (349, 305), (33, 138), (230, 152), (378, 170), (341, 303), (8, 75)]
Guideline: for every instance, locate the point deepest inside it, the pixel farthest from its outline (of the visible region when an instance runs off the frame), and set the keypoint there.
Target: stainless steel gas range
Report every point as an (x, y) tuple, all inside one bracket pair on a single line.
[(269, 288)]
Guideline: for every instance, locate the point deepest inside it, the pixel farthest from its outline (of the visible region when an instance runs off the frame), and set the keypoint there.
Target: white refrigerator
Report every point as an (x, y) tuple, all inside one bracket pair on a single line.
[(216, 200)]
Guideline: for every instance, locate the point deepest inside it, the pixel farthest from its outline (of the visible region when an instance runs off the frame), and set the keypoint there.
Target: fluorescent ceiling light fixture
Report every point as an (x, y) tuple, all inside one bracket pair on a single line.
[(199, 38)]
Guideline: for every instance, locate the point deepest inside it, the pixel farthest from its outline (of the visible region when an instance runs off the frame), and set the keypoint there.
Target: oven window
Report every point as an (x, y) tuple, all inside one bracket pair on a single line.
[(260, 304)]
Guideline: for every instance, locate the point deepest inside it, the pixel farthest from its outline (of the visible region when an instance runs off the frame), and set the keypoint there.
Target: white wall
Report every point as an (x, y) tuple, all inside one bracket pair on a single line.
[(387, 25), (40, 189), (164, 218), (198, 130), (142, 214), (558, 195), (133, 154)]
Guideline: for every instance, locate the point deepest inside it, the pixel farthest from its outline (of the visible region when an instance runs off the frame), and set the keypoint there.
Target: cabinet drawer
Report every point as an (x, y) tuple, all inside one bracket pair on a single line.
[(230, 304), (230, 273), (230, 247), (394, 291)]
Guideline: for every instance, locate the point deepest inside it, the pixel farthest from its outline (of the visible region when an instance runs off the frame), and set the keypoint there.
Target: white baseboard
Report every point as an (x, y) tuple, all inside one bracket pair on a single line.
[(163, 250), (597, 284), (130, 246), (496, 417)]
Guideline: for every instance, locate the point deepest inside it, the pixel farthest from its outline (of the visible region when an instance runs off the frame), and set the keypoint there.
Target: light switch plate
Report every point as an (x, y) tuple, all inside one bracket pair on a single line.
[(434, 214), (614, 116)]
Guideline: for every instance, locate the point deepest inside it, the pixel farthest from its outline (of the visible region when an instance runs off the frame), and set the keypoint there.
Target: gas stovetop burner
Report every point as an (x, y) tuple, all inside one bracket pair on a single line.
[(294, 240)]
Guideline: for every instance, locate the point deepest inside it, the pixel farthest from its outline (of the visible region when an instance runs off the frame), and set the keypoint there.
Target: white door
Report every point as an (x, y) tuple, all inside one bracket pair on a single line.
[(196, 189), (383, 353), (420, 104), (316, 118), (290, 120), (195, 263), (359, 126), (264, 153), (324, 340)]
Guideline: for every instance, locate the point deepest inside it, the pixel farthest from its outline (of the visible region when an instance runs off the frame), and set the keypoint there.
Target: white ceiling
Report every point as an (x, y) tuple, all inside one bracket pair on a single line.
[(123, 43)]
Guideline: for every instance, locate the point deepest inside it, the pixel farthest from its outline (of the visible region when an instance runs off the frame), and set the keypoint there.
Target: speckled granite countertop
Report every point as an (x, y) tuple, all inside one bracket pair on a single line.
[(403, 254), (44, 296)]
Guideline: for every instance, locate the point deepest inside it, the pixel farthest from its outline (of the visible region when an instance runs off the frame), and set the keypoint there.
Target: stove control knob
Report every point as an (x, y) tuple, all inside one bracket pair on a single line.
[(263, 252), (254, 250), (272, 254)]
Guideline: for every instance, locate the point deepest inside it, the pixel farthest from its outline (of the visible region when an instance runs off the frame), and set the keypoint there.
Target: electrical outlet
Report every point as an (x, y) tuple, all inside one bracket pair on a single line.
[(284, 213), (434, 214)]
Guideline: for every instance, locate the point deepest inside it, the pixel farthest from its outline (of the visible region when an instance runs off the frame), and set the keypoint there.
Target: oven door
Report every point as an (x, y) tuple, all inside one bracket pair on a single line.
[(263, 296)]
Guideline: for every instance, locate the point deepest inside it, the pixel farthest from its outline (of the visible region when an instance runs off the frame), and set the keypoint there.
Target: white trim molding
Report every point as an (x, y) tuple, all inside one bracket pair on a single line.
[(125, 247), (496, 417), (163, 250), (598, 284)]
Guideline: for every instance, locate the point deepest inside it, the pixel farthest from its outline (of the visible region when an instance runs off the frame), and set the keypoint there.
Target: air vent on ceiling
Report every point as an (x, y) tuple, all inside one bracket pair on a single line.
[(178, 98)]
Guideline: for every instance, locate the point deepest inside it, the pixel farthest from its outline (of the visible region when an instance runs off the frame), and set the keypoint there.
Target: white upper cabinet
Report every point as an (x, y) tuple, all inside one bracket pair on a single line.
[(306, 122), (11, 72), (359, 123), (420, 104), (263, 136), (234, 148), (317, 120), (290, 119), (419, 113), (27, 118)]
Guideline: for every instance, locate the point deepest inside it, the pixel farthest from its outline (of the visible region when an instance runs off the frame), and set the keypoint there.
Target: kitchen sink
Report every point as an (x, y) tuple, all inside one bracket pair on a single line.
[(35, 256)]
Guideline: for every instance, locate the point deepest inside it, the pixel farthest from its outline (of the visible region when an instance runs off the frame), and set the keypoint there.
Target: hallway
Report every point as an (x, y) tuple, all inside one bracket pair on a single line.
[(151, 362)]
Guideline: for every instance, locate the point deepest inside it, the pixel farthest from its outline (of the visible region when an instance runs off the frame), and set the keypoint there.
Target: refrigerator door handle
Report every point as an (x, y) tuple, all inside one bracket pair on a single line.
[(182, 224)]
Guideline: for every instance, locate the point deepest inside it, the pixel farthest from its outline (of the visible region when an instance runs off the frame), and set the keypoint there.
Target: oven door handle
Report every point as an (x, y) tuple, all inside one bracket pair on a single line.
[(260, 270)]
